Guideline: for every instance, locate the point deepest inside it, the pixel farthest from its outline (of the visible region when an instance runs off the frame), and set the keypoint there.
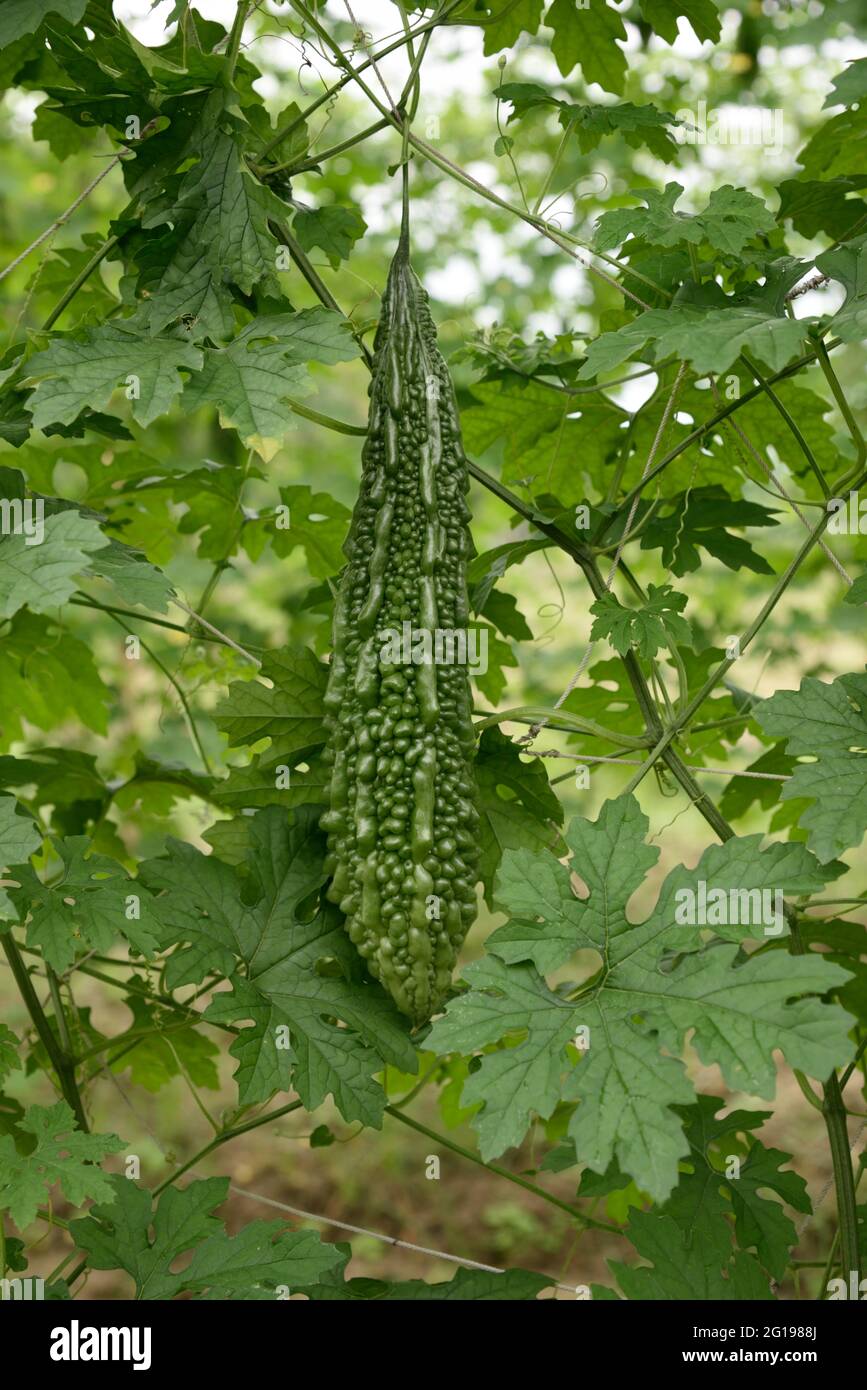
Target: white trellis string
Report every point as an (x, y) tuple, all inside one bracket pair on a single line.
[(805, 1220), (830, 1183), (369, 48), (637, 762), (377, 1235), (65, 216), (216, 631)]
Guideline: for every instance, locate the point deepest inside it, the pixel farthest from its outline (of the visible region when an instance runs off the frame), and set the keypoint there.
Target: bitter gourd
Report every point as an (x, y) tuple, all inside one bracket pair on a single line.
[(402, 824)]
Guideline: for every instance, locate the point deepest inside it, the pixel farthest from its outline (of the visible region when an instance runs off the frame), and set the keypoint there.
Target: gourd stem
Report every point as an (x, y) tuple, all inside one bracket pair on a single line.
[(403, 243)]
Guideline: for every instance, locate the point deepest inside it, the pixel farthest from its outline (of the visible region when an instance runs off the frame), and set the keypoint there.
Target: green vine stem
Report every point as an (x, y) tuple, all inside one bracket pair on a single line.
[(500, 1172), (235, 37), (850, 1070), (834, 1114), (82, 600), (59, 1013), (63, 1065), (81, 278), (314, 161), (570, 722), (184, 702), (568, 134), (132, 987), (320, 289), (791, 423), (340, 426)]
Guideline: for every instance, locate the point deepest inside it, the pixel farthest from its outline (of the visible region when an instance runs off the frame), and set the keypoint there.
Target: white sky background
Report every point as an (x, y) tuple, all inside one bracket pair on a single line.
[(797, 75)]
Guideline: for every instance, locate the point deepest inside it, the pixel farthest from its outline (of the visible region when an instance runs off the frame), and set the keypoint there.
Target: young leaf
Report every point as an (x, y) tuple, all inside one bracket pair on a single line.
[(658, 623), (701, 518), (165, 1051), (850, 86), (21, 17), (220, 237), (502, 610), (543, 431), (134, 578), (314, 520), (506, 20), (47, 676), (9, 1059), (61, 1154), (702, 15), (299, 779), (91, 903), (639, 125), (858, 592), (710, 339), (822, 205), (709, 1190), (335, 230), (848, 264), (589, 36)]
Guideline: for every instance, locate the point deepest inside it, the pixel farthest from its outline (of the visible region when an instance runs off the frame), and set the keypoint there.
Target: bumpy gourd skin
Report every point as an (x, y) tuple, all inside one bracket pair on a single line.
[(402, 825)]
